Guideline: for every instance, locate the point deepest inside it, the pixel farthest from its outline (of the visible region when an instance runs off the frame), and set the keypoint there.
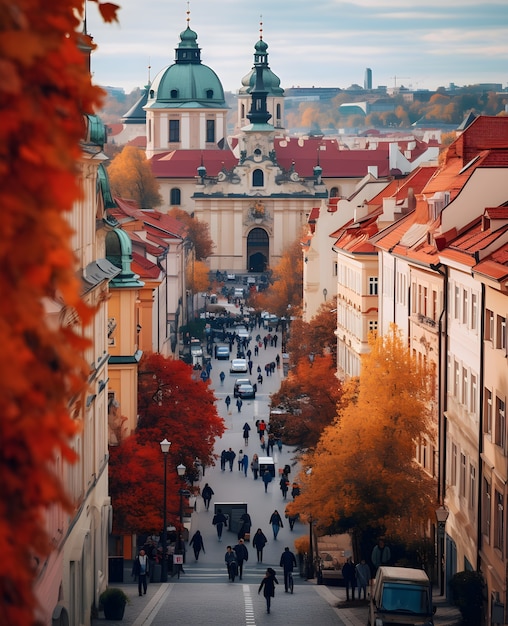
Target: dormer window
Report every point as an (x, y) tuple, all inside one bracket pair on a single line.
[(209, 94), (258, 178), (174, 93)]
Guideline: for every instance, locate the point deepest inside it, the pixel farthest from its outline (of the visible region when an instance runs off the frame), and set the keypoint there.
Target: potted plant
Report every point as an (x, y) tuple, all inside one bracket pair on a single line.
[(113, 603)]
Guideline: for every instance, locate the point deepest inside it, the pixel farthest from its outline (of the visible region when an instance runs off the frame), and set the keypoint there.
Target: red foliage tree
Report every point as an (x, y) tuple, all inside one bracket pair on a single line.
[(172, 405), (45, 89)]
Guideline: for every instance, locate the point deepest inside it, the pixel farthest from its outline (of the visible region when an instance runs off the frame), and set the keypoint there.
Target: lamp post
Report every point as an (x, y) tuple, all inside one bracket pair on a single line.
[(181, 492), (441, 517), (165, 445), (310, 560)]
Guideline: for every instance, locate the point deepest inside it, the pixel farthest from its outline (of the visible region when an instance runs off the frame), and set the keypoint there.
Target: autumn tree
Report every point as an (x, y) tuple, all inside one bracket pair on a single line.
[(306, 401), (197, 231), (286, 286), (131, 177), (197, 276), (315, 337), (45, 91), (172, 404), (364, 474)]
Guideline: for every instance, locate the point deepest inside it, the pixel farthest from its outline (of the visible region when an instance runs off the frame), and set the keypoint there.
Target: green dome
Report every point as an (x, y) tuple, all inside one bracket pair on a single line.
[(187, 83), (271, 81)]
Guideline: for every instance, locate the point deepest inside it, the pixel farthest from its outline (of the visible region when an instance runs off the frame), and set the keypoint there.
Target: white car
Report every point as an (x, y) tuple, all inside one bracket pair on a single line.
[(242, 332), (238, 365)]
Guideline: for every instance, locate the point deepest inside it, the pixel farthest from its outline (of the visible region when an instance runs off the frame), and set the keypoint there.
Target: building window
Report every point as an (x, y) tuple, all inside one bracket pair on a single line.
[(278, 112), (487, 425), (486, 509), (489, 325), (175, 197), (474, 311), (456, 380), (242, 111), (174, 131), (372, 325), (501, 333), (434, 305), (209, 94), (472, 486), (465, 305), (335, 268), (462, 485), (210, 131), (473, 403), (174, 94), (465, 386), (499, 523), (453, 465), (457, 303), (258, 178), (334, 192), (149, 130), (373, 285), (500, 423)]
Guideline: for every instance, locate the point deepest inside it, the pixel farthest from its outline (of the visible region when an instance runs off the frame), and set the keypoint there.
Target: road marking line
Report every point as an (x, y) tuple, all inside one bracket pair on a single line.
[(149, 613), (249, 607)]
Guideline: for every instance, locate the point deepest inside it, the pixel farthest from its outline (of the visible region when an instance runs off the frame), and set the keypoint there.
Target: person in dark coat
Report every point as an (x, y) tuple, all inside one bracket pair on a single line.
[(207, 494), (231, 456), (349, 574), (255, 466), (276, 522), (287, 562), (140, 569), (259, 542), (242, 554), (231, 562), (246, 432), (284, 485), (268, 585), (267, 479), (223, 459), (197, 544), (219, 521), (246, 525)]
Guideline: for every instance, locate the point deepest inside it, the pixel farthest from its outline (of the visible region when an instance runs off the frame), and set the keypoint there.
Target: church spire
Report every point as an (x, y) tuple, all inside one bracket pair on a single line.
[(258, 112)]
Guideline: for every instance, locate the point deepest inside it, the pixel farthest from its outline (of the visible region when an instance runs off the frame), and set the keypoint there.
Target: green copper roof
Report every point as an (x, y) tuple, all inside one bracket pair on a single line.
[(187, 82)]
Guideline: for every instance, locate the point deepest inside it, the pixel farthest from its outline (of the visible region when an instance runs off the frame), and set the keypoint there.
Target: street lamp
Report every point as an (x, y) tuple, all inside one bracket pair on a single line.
[(310, 560), (181, 473), (165, 445), (441, 517)]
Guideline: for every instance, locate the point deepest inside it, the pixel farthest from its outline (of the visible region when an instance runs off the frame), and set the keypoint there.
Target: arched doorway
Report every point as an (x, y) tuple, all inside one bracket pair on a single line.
[(258, 249)]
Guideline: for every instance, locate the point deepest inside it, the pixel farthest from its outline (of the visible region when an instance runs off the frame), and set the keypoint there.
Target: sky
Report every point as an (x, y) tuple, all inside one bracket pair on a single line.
[(421, 44)]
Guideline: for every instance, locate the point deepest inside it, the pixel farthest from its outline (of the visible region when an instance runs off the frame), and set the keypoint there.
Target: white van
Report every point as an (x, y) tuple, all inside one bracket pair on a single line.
[(401, 595)]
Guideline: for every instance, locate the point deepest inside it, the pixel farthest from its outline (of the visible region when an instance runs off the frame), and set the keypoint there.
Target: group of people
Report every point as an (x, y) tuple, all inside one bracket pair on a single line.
[(359, 576)]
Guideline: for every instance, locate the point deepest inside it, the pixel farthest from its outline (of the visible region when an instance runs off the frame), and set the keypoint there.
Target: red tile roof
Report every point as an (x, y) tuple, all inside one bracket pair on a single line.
[(145, 268)]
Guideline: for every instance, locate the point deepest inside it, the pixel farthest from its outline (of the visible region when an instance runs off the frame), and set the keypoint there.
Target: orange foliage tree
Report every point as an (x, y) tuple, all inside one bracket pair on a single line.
[(197, 276), (197, 231), (316, 336), (131, 177), (308, 400), (286, 286), (45, 89), (173, 405), (364, 474)]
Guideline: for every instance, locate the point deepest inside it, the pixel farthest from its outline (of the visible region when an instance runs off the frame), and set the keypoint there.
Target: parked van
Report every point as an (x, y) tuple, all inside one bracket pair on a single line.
[(401, 596)]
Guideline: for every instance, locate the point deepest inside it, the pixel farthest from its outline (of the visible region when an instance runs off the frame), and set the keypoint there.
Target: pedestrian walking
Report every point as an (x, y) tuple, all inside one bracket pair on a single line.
[(295, 491), (242, 554), (244, 532), (268, 586), (262, 443), (277, 360), (140, 569), (245, 464), (267, 479), (223, 459), (227, 400), (381, 555), (255, 466), (292, 518), (240, 460), (270, 443), (287, 562), (349, 575), (219, 521), (246, 433), (231, 563), (197, 544), (276, 522), (231, 458), (362, 578), (262, 428), (207, 494), (222, 376), (284, 485), (239, 405), (260, 379), (249, 365), (259, 542), (256, 350)]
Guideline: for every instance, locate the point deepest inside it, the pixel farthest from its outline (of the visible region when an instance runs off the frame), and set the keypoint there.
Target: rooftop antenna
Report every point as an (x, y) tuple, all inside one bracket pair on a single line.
[(188, 14), (149, 68), (261, 26)]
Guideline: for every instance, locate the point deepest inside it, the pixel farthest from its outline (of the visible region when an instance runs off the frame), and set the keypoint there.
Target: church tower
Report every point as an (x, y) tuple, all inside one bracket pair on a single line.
[(185, 108), (271, 82)]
